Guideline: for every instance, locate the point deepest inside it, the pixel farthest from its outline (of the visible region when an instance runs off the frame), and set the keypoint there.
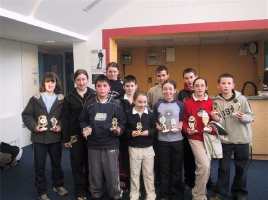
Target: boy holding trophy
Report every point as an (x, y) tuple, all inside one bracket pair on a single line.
[(102, 121), (236, 116)]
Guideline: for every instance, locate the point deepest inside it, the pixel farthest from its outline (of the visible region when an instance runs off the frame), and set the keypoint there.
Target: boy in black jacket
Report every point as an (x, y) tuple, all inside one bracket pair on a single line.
[(102, 121), (189, 75)]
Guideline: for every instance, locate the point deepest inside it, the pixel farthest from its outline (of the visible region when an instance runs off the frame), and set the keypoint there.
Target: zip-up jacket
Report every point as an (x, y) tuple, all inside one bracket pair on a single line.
[(73, 106), (36, 108)]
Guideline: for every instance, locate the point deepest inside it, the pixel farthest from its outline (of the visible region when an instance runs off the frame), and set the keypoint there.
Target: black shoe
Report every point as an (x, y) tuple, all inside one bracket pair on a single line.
[(239, 197)]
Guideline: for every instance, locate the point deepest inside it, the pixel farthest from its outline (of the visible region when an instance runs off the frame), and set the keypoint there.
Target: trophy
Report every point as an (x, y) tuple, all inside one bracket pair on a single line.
[(236, 106), (42, 123), (139, 127), (192, 122), (54, 123), (163, 125), (173, 124), (205, 120), (73, 139), (114, 123)]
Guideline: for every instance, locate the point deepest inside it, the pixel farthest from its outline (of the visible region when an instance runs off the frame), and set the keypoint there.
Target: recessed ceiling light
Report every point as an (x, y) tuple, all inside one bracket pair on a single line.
[(50, 41)]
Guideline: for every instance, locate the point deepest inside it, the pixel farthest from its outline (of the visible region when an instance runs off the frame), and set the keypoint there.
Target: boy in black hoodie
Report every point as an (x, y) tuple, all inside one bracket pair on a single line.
[(189, 75), (102, 121)]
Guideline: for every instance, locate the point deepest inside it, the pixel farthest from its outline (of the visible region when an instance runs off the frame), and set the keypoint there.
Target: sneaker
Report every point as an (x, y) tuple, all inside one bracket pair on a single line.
[(61, 191), (44, 197), (81, 198), (215, 197)]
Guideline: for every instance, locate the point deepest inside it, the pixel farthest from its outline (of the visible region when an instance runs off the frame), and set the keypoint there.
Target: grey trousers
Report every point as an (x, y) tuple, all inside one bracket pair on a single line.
[(104, 169)]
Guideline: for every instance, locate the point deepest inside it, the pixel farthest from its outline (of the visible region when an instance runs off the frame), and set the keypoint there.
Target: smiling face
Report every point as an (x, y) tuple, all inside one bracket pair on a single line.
[(50, 86), (200, 87), (81, 82), (140, 102), (112, 73), (168, 91), (226, 85)]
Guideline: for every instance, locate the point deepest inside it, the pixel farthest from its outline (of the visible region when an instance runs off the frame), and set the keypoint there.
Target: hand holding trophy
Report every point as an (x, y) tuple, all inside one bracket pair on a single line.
[(73, 139), (205, 120), (215, 113), (192, 124), (54, 123), (42, 123), (87, 131), (115, 128), (163, 125)]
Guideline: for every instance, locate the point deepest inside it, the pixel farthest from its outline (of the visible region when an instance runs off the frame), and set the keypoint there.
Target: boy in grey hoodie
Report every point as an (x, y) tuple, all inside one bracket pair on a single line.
[(235, 115)]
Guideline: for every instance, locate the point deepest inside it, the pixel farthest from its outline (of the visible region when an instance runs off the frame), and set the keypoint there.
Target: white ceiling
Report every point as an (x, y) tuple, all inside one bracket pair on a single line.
[(63, 21), (79, 16), (14, 30)]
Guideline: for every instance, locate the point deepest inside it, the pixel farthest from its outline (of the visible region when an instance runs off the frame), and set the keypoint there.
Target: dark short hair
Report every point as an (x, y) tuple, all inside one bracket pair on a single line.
[(161, 68), (172, 82), (130, 78), (189, 70), (200, 78), (51, 76), (80, 71), (112, 64), (101, 78), (225, 75), (138, 93)]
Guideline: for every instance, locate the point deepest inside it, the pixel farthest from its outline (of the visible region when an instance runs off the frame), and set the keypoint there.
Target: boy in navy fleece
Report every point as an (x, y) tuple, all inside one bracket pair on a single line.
[(102, 121)]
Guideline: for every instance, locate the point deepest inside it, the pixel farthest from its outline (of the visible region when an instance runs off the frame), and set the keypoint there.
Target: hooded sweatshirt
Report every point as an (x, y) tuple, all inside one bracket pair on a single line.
[(239, 131)]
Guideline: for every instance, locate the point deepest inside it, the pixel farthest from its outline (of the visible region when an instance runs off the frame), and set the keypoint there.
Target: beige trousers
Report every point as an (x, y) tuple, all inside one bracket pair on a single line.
[(202, 172), (141, 159)]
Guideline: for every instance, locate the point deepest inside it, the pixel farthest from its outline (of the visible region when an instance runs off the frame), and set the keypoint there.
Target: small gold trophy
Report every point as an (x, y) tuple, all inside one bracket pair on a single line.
[(163, 125), (114, 123), (139, 127), (54, 123), (42, 123), (237, 107), (205, 120), (173, 124), (192, 123)]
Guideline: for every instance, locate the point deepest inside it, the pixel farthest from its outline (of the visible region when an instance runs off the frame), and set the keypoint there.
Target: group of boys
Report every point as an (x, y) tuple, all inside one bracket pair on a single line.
[(104, 147)]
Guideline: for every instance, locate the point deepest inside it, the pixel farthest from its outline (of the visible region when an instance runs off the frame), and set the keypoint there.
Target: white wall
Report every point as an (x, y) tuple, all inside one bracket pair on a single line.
[(163, 12), (19, 81)]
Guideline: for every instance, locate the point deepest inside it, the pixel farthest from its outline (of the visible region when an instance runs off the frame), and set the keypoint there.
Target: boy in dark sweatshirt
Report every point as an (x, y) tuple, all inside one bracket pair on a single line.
[(102, 121), (189, 75)]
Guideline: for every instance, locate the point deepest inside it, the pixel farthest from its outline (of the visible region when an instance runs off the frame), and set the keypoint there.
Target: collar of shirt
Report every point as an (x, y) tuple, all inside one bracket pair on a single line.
[(203, 99), (134, 111)]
